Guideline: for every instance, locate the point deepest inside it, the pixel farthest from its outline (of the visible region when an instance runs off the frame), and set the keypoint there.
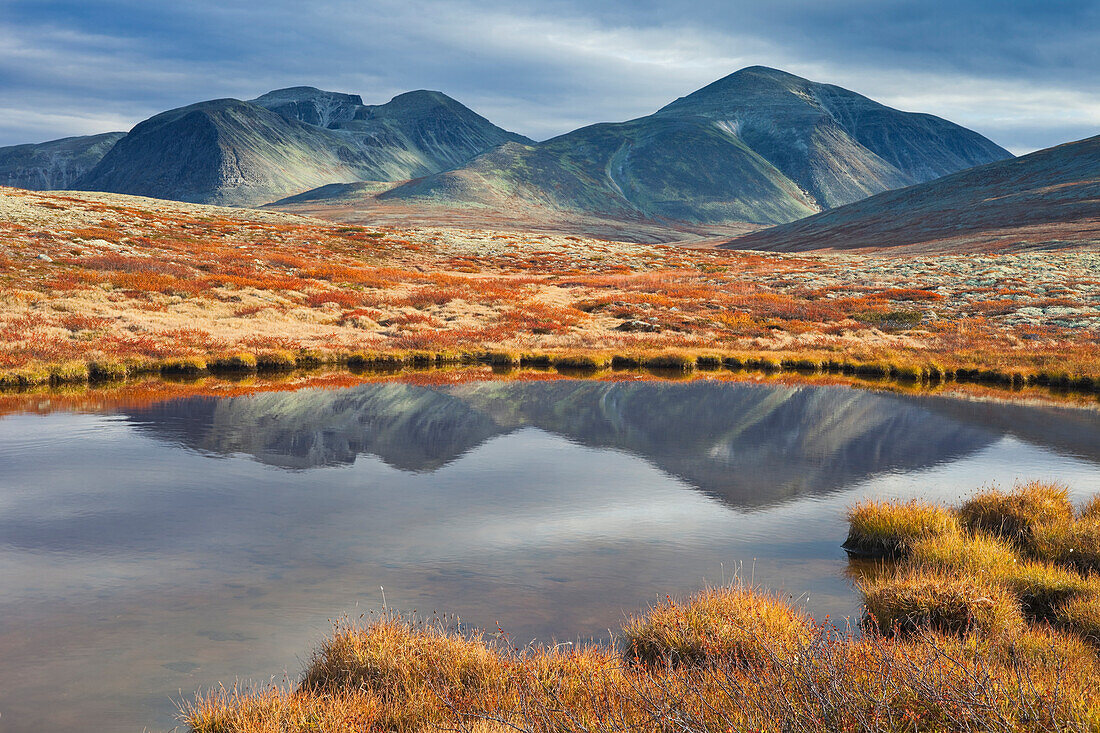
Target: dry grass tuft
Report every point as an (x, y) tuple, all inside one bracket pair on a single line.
[(916, 599), (671, 362), (107, 369), (183, 365), (1073, 543), (1081, 615), (241, 361), (889, 528), (720, 623), (1043, 588), (277, 360), (580, 362), (278, 711), (962, 552), (407, 667), (1014, 515)]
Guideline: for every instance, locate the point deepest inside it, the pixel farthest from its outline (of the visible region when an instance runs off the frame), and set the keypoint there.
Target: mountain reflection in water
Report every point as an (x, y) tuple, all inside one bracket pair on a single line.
[(748, 445)]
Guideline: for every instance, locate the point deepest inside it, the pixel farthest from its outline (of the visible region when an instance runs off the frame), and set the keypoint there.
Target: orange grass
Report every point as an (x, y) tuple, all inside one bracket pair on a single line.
[(396, 674), (128, 282)]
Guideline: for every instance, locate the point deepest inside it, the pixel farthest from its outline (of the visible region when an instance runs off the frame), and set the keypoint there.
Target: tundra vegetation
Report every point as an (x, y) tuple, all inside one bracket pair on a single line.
[(96, 287), (968, 625)]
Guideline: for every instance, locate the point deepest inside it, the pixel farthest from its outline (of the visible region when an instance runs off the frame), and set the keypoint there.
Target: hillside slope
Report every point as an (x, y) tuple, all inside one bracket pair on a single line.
[(1048, 199)]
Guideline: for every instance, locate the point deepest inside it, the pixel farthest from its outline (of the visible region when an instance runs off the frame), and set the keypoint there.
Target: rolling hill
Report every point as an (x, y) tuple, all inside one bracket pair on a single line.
[(1045, 200)]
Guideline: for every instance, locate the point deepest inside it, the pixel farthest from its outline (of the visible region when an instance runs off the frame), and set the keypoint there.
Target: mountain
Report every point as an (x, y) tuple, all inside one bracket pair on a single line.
[(1047, 199), (245, 153), (760, 146), (56, 164)]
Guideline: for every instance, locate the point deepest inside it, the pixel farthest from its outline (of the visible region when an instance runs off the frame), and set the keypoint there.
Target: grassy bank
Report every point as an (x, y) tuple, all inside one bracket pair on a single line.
[(664, 362), (970, 626)]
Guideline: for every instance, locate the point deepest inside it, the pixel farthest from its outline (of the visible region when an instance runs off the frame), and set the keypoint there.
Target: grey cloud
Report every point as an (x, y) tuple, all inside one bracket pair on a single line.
[(544, 68)]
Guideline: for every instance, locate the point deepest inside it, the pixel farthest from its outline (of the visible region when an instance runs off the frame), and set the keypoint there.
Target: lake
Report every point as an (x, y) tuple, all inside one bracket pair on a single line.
[(147, 552)]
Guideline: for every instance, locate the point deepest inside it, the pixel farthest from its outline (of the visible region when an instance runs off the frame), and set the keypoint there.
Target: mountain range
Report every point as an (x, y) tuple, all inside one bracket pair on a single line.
[(760, 146), (228, 151), (755, 148), (1045, 200)]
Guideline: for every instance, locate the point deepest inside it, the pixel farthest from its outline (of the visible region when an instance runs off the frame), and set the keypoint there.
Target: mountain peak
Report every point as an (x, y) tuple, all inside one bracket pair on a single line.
[(746, 87), (421, 99), (304, 94)]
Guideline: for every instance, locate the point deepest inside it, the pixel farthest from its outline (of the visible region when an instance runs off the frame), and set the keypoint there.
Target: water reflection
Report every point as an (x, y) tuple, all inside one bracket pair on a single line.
[(749, 445), (202, 540)]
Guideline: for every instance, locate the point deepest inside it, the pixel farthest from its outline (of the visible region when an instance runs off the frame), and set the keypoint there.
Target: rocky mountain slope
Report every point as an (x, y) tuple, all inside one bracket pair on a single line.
[(1048, 199), (233, 152), (56, 164), (759, 146)]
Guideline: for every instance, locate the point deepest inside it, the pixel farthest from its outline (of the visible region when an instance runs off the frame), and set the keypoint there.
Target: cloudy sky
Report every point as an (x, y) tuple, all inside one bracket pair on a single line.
[(1022, 72)]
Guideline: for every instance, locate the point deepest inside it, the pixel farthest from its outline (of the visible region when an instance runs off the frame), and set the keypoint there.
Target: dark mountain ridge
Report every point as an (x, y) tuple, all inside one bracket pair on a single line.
[(245, 153)]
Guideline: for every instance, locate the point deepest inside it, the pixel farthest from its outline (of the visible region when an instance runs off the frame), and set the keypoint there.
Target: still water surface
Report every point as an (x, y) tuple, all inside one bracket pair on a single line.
[(150, 552)]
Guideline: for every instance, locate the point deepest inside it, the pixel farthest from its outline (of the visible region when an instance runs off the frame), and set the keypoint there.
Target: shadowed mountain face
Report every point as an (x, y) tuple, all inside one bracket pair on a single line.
[(748, 445), (53, 165), (246, 153), (759, 146), (1048, 199)]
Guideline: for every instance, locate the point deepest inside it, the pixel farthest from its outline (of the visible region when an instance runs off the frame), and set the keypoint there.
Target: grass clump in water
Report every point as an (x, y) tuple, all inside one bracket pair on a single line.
[(889, 528), (580, 362), (962, 552), (70, 372), (670, 362), (107, 369), (718, 623), (1043, 588), (276, 360), (1014, 515), (27, 376), (406, 666)]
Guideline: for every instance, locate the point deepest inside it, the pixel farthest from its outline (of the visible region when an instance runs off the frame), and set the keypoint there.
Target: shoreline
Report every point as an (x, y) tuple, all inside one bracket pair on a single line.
[(151, 385)]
